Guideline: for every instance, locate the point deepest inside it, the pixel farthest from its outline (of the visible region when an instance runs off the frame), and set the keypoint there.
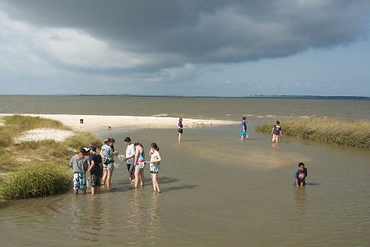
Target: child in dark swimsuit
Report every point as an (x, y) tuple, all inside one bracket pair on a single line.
[(180, 128)]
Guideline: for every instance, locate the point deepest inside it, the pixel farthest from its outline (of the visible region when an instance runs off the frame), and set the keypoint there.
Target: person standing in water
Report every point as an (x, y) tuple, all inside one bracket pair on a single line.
[(79, 165), (244, 133), (180, 129), (139, 162), (108, 162), (130, 155), (155, 161), (300, 175), (276, 133), (95, 170)]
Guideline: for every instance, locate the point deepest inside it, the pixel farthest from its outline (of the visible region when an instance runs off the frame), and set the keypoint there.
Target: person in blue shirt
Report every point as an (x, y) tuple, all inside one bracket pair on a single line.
[(300, 175), (244, 133)]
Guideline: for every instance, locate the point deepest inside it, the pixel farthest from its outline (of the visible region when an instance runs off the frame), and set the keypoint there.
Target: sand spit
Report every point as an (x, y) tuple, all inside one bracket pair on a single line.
[(44, 134), (93, 123)]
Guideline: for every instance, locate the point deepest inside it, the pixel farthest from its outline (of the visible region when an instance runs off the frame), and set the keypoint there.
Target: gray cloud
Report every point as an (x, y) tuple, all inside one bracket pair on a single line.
[(173, 33)]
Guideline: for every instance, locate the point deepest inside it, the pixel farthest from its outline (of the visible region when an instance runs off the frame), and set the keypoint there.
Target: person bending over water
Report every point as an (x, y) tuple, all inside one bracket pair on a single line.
[(300, 175), (276, 133), (139, 164), (180, 129), (155, 161)]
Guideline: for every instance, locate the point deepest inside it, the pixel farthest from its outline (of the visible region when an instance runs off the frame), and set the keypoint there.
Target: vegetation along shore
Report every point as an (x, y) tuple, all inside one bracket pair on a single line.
[(31, 166), (332, 131)]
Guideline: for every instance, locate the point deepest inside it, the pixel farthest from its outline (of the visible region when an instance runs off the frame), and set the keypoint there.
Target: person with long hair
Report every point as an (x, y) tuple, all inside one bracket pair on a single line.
[(155, 161), (139, 162)]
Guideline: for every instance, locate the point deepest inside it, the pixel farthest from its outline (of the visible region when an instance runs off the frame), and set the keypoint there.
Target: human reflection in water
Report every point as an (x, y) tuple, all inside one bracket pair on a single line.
[(300, 199), (154, 220), (135, 216)]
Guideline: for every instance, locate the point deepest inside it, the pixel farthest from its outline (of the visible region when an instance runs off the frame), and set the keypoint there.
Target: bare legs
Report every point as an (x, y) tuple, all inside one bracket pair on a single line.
[(139, 177), (109, 179), (155, 182), (180, 136)]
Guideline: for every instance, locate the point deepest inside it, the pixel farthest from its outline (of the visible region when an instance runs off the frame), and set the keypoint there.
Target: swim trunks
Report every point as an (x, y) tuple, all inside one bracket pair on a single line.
[(79, 181)]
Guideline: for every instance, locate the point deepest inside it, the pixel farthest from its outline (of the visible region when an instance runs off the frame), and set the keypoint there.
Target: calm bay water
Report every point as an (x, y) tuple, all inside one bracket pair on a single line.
[(217, 190), (214, 108)]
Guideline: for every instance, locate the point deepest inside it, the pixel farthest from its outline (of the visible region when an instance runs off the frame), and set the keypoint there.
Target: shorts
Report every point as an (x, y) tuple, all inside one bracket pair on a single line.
[(301, 182), (108, 167), (140, 165), (275, 138), (180, 131), (79, 181), (244, 134), (154, 168), (130, 168), (95, 180)]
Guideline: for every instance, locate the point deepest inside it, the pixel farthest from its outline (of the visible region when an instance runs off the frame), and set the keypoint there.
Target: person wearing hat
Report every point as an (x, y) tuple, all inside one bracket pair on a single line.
[(96, 170), (79, 165)]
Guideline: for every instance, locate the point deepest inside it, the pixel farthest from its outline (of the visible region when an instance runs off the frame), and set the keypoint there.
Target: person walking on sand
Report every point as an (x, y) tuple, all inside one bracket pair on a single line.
[(155, 161), (300, 175), (95, 170), (244, 133), (139, 162), (79, 165), (130, 155), (108, 162), (276, 133), (180, 129)]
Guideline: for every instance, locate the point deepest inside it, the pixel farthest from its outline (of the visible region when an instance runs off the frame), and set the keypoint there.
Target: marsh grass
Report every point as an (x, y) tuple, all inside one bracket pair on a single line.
[(35, 181), (36, 168), (332, 131)]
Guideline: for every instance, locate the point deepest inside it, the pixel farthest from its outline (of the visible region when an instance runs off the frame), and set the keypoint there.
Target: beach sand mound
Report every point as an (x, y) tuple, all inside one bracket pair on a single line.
[(44, 134)]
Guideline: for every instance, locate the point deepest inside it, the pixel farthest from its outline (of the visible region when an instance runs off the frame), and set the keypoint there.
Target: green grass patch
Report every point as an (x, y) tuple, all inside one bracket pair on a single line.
[(36, 181), (352, 134), (37, 168), (24, 123)]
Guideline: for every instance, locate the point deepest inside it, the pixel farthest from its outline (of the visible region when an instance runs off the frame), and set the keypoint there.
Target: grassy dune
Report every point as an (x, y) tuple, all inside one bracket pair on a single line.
[(36, 168), (352, 134)]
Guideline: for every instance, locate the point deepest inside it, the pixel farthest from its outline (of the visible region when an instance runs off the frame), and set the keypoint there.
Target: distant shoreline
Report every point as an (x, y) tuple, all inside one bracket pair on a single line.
[(304, 97)]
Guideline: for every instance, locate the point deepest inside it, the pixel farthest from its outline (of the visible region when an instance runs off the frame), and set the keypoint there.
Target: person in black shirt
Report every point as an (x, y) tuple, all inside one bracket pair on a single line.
[(300, 175), (95, 170)]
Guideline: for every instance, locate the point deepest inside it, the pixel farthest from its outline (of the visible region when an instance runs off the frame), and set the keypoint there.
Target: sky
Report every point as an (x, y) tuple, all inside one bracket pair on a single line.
[(186, 48)]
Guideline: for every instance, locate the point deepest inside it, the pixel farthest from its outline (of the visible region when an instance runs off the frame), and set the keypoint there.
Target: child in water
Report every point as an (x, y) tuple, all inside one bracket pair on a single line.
[(155, 161), (244, 133), (300, 175), (276, 133), (79, 165)]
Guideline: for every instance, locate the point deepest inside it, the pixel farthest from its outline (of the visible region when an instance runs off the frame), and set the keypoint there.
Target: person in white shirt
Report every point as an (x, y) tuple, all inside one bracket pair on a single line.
[(130, 155)]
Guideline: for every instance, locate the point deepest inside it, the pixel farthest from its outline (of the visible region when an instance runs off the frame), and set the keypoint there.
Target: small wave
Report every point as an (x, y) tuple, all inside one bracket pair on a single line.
[(160, 115)]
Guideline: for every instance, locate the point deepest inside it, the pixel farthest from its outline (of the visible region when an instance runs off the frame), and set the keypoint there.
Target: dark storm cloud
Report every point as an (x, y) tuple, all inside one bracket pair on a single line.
[(196, 31)]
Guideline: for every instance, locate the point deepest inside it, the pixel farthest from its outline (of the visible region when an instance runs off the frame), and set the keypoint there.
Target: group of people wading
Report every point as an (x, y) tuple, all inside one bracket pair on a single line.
[(101, 165)]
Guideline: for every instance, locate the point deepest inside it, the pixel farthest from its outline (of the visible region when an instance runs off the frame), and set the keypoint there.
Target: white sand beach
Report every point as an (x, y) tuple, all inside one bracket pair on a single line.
[(93, 123), (44, 134)]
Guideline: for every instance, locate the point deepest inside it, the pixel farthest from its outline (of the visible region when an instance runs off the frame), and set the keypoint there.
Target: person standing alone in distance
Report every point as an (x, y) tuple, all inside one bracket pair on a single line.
[(244, 134), (180, 128), (276, 133)]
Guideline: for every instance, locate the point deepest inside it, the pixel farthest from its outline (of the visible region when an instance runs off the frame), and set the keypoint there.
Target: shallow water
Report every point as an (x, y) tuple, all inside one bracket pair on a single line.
[(217, 191)]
